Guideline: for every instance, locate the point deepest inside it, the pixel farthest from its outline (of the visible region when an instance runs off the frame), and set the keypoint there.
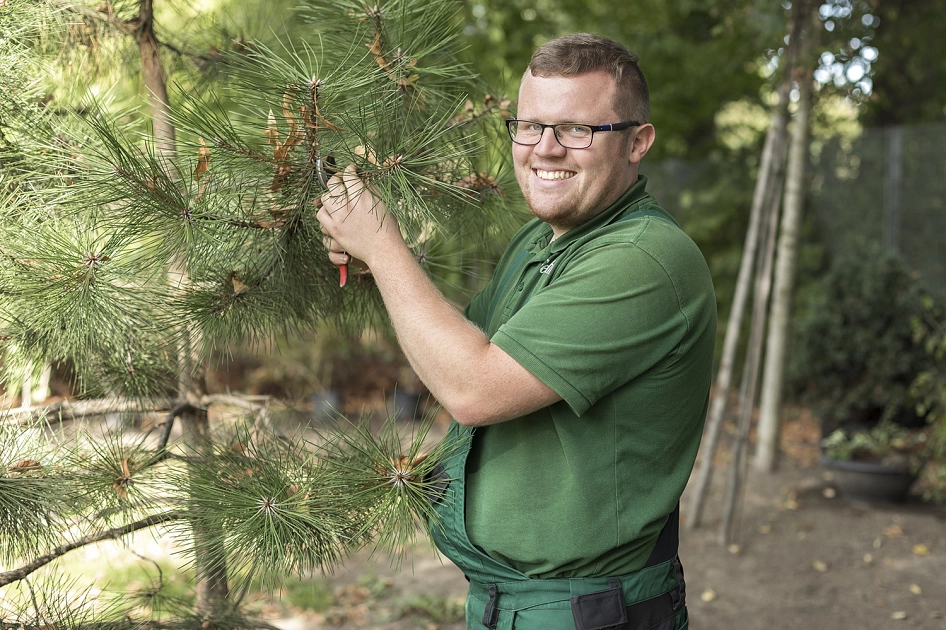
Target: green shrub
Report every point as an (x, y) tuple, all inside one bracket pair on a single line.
[(855, 355), (929, 391)]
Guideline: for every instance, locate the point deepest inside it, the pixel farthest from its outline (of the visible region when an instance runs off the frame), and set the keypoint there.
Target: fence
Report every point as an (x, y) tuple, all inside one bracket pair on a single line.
[(888, 186)]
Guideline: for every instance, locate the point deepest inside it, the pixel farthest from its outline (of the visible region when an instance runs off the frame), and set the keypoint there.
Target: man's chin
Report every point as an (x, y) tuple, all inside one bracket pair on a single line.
[(559, 220), (550, 205)]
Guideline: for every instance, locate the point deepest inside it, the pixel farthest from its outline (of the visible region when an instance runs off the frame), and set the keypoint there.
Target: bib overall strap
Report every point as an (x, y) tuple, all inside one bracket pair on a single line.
[(490, 616)]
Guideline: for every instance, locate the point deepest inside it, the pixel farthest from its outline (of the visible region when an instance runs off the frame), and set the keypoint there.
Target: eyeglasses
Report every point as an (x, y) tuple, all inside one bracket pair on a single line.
[(569, 135)]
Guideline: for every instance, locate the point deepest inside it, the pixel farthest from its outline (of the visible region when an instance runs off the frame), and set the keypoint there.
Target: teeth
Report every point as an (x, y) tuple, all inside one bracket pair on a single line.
[(552, 175)]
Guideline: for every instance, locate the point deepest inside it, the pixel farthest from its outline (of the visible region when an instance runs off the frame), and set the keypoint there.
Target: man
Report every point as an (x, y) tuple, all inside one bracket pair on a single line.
[(584, 366)]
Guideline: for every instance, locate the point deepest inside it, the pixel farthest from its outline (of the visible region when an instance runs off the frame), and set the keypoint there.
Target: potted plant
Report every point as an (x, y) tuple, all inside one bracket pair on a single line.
[(879, 464)]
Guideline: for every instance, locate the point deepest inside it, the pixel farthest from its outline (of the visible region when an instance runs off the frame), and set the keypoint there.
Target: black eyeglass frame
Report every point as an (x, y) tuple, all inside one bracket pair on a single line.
[(611, 127)]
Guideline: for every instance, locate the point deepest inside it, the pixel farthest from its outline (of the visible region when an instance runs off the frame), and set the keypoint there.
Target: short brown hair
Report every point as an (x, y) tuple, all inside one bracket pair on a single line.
[(578, 53)]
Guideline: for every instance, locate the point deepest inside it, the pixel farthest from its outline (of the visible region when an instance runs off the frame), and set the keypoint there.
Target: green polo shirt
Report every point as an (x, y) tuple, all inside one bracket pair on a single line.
[(618, 316)]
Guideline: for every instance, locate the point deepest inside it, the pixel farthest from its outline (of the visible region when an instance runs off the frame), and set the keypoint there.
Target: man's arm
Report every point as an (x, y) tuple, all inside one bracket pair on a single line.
[(476, 381)]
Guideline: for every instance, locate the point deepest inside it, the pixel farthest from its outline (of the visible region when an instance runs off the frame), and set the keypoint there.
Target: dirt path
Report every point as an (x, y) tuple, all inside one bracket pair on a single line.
[(806, 558), (810, 559)]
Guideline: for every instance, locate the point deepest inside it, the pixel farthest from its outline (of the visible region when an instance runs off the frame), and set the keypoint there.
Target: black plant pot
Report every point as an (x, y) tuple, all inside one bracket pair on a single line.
[(871, 481)]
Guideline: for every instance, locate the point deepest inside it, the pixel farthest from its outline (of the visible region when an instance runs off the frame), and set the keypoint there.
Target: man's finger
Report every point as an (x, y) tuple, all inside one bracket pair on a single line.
[(323, 214), (336, 188), (333, 247), (337, 196), (353, 184)]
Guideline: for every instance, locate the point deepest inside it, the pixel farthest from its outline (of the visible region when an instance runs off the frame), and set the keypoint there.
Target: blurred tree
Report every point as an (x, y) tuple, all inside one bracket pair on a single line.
[(686, 47), (909, 74)]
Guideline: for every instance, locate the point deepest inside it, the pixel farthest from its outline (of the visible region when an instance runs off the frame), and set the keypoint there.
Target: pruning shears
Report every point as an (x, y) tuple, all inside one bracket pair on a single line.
[(322, 170)]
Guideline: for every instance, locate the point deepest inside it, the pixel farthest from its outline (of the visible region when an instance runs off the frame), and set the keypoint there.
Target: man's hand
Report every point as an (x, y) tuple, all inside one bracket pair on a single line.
[(355, 222)]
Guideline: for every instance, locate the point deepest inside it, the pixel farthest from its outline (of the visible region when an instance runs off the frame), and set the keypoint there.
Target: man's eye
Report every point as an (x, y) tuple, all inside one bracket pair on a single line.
[(532, 127), (577, 130)]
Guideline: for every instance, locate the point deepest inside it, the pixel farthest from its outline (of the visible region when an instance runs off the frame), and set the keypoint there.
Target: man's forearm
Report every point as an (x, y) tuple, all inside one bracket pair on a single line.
[(472, 378)]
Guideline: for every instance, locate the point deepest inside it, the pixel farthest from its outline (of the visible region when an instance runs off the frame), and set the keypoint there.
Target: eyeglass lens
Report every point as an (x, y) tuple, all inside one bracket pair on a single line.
[(568, 135)]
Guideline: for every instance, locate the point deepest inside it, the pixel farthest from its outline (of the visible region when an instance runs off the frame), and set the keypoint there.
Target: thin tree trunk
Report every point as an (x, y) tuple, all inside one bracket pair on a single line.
[(210, 565), (750, 374), (29, 394), (772, 159), (805, 10), (209, 562), (155, 82), (41, 392), (788, 244)]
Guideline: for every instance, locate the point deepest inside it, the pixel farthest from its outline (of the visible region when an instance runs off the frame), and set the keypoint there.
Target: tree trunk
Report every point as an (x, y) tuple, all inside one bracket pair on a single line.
[(26, 389), (41, 392), (155, 82), (787, 261), (209, 562), (749, 386)]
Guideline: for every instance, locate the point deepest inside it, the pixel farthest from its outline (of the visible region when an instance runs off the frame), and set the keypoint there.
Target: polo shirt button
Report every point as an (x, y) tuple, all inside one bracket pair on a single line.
[(519, 286)]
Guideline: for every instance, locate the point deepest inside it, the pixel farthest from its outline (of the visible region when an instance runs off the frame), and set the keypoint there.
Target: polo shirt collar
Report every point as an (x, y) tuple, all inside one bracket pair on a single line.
[(540, 246)]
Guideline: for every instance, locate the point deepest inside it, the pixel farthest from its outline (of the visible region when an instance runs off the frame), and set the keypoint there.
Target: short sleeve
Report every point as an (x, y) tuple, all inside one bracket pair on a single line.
[(478, 308), (612, 314)]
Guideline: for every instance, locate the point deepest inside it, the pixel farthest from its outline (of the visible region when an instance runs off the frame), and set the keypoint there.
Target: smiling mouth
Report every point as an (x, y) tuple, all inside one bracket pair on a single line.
[(553, 175)]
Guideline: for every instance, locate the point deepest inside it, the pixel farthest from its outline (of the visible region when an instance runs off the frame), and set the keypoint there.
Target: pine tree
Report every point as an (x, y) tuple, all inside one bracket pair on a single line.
[(133, 255)]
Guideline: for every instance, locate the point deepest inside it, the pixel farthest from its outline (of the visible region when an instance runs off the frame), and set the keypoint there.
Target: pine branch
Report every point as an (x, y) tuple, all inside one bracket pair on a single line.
[(169, 424), (75, 409), (128, 27), (382, 90), (15, 575), (127, 624), (491, 106)]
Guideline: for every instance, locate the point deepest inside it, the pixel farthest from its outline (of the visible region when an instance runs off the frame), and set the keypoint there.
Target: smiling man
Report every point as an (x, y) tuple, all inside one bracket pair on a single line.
[(579, 378)]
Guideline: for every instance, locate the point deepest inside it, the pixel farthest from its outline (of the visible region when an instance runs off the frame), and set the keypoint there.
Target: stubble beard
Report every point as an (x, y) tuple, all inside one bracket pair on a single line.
[(560, 211)]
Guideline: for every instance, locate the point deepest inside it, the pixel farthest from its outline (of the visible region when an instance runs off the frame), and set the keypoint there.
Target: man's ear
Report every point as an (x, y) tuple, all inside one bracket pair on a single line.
[(642, 141)]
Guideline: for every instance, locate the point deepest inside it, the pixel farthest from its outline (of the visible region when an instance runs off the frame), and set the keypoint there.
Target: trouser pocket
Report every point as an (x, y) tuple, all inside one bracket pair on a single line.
[(601, 609), (606, 610)]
